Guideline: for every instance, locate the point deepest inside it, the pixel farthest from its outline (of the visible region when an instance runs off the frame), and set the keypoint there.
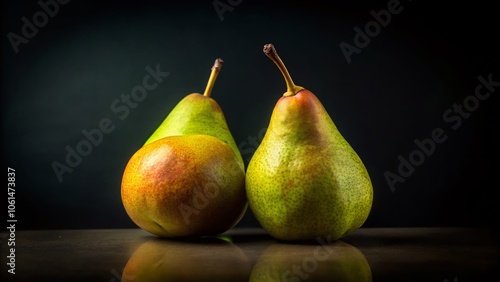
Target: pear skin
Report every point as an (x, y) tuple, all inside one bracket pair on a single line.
[(184, 186), (305, 181), (198, 114)]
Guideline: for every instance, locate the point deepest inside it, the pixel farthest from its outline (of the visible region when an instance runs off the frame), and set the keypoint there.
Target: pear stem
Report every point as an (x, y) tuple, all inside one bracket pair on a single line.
[(213, 76), (291, 88)]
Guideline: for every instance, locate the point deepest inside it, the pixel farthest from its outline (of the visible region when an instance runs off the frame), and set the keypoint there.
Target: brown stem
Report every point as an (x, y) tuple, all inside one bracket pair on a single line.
[(292, 89)]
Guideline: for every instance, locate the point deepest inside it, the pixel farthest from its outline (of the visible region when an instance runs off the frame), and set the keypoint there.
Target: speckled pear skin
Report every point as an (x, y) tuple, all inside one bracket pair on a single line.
[(184, 186), (197, 114), (304, 180)]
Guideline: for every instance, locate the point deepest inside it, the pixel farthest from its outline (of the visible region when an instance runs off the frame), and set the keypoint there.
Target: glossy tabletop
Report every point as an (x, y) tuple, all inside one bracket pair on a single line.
[(369, 254)]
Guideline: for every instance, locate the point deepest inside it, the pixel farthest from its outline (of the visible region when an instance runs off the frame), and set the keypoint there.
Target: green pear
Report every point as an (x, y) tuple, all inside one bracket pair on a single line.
[(305, 181), (198, 114)]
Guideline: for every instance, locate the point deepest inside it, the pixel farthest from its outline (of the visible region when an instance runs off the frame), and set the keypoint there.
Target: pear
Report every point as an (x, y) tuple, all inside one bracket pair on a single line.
[(198, 114), (305, 181), (184, 186)]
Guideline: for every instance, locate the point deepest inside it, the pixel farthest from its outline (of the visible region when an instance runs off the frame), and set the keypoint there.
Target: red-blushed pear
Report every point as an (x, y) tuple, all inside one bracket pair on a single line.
[(184, 186), (188, 179), (305, 181)]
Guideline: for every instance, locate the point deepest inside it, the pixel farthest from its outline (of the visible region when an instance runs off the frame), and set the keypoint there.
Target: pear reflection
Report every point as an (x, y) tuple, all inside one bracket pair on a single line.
[(207, 259), (337, 261)]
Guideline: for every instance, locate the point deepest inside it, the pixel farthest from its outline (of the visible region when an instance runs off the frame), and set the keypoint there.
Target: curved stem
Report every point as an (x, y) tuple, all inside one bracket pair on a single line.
[(213, 76), (291, 88)]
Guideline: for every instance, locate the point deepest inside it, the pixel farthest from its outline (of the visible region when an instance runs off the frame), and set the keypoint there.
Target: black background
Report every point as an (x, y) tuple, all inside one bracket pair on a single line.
[(394, 91)]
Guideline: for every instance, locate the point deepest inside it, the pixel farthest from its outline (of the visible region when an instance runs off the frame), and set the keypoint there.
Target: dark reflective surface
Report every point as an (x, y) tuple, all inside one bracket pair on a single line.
[(337, 261), (208, 259), (378, 254)]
